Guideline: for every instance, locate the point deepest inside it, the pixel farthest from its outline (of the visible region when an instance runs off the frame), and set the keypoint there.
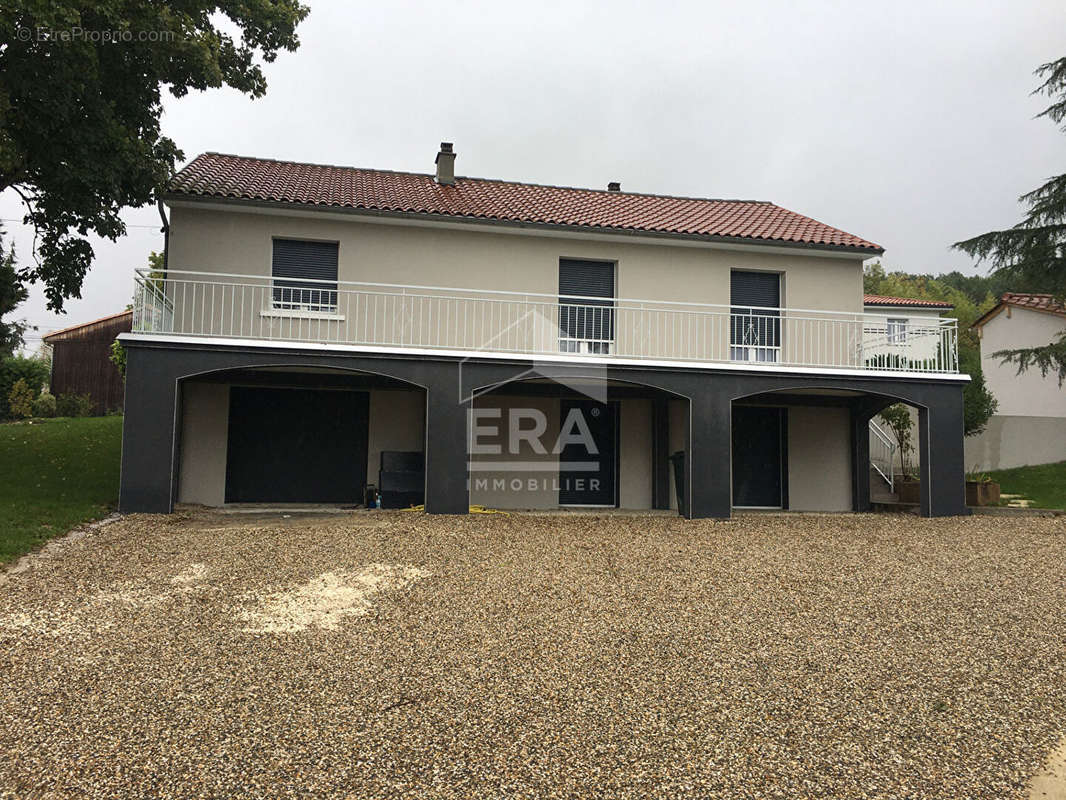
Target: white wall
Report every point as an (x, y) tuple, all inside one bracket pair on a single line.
[(1028, 394), (1016, 441)]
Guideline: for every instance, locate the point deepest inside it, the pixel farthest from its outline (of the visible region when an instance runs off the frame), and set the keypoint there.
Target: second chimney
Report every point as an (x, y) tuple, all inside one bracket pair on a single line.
[(446, 165), (614, 186)]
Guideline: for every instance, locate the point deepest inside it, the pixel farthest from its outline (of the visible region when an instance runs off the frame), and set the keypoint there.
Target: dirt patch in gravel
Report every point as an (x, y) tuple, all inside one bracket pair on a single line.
[(327, 600), (528, 656), (1050, 782)]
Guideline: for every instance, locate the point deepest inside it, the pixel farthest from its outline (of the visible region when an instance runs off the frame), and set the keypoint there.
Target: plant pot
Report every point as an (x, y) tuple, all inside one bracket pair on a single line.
[(910, 491), (982, 493)]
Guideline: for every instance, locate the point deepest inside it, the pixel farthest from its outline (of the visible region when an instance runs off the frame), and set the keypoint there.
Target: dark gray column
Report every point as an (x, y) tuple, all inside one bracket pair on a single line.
[(708, 461), (660, 453), (149, 434), (940, 447), (447, 459)]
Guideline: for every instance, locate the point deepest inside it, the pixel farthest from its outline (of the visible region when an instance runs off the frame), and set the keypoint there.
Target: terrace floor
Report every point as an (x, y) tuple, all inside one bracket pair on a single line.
[(392, 654)]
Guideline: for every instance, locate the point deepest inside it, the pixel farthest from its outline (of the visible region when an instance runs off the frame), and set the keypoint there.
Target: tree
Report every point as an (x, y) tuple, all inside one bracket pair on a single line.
[(978, 403), (80, 105), (1032, 253), (12, 293)]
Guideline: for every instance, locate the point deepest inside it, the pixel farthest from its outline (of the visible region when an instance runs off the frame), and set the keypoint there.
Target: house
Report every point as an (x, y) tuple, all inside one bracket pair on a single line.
[(526, 346), (81, 361), (1029, 426)]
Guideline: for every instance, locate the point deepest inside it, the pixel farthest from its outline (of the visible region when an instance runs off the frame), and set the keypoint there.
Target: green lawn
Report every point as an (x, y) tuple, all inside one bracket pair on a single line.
[(1045, 484), (56, 473)]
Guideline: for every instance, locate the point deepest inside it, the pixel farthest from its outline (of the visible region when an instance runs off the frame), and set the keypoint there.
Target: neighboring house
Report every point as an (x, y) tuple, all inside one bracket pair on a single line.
[(511, 344), (1029, 426), (903, 329), (81, 362), (900, 330)]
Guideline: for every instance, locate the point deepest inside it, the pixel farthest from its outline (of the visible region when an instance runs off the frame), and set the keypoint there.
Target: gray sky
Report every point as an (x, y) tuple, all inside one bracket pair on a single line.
[(909, 125)]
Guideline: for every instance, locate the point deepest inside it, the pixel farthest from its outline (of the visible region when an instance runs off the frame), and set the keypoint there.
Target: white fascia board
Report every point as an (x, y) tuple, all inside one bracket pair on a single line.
[(560, 359)]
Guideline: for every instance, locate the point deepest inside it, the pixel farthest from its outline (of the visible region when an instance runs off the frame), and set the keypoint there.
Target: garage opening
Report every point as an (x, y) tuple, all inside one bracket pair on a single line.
[(288, 445)]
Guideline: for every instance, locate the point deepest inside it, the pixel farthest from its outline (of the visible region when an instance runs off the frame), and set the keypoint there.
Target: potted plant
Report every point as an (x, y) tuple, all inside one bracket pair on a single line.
[(909, 488), (981, 490)]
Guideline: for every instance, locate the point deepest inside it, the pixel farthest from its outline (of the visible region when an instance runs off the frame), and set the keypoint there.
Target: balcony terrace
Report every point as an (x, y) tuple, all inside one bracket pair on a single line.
[(389, 317)]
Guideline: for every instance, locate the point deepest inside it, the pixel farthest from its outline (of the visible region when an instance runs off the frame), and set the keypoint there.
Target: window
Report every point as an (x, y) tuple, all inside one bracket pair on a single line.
[(896, 330), (755, 316), (586, 323), (305, 275)]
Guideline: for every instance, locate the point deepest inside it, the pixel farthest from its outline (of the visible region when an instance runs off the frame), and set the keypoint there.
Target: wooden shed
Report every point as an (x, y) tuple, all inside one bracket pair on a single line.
[(81, 361)]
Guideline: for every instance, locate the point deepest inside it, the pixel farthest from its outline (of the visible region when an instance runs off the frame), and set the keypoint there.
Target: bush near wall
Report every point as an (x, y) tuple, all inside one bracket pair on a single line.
[(14, 368), (74, 405)]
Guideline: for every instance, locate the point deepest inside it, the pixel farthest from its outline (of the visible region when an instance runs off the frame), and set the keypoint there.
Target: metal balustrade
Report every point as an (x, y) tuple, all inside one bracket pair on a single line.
[(207, 304)]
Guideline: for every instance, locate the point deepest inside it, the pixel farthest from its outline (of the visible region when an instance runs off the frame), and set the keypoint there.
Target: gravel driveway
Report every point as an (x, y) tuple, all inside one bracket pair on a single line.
[(396, 655)]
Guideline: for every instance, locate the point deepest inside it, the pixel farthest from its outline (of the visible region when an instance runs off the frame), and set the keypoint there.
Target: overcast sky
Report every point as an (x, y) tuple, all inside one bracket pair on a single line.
[(909, 123)]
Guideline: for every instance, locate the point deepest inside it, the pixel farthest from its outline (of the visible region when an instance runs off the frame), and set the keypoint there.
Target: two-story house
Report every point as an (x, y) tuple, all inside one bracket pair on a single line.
[(321, 328)]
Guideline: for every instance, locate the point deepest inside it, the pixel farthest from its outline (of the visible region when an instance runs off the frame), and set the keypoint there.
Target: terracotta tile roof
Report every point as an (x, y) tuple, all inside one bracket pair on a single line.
[(257, 179), (902, 302), (1034, 302)]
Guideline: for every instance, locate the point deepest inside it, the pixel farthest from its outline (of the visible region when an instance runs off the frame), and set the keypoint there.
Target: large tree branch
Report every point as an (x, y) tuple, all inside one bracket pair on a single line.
[(1049, 358)]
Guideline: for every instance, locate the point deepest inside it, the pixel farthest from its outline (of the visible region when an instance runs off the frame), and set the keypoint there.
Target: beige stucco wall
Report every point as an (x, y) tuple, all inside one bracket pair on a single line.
[(238, 242), (204, 431), (1016, 441), (634, 420), (819, 459), (397, 422), (1028, 394)]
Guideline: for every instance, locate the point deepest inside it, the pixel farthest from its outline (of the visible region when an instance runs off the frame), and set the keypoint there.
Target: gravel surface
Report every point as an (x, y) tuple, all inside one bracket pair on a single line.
[(397, 655)]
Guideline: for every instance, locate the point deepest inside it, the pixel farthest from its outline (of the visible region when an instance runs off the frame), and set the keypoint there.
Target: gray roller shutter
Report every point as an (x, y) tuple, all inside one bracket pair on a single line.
[(761, 289), (755, 298), (310, 261), (586, 319)]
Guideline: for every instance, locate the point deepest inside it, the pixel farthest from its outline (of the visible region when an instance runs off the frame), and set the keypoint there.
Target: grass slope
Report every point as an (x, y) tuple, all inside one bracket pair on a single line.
[(1044, 484), (56, 474)]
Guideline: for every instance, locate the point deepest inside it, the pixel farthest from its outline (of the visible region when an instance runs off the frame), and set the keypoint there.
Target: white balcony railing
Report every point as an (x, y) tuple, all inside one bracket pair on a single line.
[(394, 316)]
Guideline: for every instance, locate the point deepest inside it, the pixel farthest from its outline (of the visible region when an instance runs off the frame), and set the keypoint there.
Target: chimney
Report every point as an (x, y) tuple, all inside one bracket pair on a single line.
[(614, 186), (446, 165)]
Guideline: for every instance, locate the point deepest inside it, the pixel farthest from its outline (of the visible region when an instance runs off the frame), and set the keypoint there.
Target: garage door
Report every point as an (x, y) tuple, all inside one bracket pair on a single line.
[(296, 446)]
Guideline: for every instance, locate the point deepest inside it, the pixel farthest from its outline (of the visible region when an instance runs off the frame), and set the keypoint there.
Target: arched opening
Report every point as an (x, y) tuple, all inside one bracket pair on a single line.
[(285, 434), (818, 449), (575, 441)]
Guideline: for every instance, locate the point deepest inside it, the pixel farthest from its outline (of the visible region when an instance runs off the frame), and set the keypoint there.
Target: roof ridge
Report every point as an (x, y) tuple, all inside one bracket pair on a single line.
[(496, 180)]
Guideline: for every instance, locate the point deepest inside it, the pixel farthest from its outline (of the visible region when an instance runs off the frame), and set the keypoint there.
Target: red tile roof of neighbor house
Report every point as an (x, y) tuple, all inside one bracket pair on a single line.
[(216, 175), (902, 302), (1045, 303)]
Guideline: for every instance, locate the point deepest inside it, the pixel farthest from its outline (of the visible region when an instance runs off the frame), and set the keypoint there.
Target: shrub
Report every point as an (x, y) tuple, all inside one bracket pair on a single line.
[(15, 368), (45, 405), (117, 357), (20, 400), (74, 405)]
